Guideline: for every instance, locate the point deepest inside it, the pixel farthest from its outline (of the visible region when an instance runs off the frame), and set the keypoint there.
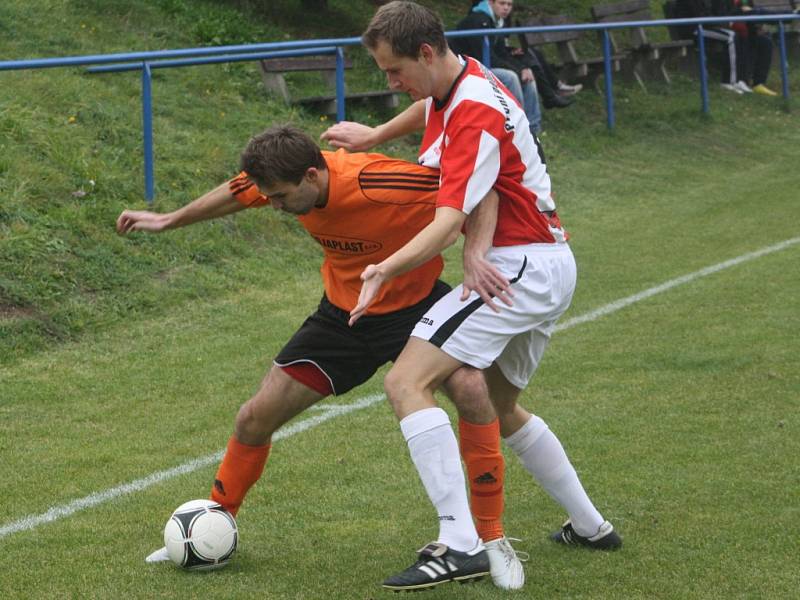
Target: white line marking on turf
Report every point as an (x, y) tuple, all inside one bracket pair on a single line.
[(335, 410), (668, 285), (58, 512)]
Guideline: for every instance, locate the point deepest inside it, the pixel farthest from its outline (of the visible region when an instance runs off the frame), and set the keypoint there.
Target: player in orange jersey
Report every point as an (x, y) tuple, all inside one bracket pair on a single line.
[(360, 208)]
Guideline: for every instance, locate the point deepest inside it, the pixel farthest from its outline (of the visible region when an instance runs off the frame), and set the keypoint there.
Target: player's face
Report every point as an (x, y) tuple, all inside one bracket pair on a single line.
[(295, 199), (410, 75)]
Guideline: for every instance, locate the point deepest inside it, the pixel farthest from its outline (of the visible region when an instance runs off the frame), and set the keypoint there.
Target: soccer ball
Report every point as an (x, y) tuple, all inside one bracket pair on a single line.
[(200, 534)]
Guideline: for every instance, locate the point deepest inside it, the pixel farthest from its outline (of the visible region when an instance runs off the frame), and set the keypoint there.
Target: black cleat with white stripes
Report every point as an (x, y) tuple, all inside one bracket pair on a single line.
[(605, 538), (439, 564)]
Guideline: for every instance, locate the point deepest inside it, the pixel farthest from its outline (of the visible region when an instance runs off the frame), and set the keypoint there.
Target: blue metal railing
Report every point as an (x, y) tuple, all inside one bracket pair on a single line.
[(149, 60), (147, 90)]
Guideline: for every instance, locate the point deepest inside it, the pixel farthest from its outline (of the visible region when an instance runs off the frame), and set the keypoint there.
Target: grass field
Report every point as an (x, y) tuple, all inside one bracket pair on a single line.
[(123, 361)]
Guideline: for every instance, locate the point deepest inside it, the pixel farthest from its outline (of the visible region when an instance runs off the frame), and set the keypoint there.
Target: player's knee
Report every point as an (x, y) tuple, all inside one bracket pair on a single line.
[(396, 386), (404, 393), (467, 389), (250, 428)]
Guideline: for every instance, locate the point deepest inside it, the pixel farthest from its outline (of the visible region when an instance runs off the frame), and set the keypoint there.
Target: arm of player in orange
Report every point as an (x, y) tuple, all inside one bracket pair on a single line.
[(213, 204)]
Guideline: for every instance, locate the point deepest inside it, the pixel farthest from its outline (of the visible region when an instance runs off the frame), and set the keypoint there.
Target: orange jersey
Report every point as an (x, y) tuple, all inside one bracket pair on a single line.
[(375, 205)]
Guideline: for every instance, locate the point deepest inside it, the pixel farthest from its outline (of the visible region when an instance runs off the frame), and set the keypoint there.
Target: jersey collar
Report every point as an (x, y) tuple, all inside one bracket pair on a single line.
[(440, 104)]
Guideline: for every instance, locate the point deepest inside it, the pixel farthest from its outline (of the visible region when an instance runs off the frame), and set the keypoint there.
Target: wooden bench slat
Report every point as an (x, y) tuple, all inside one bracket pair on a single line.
[(300, 63), (621, 8), (349, 96), (327, 103), (272, 74), (642, 52), (570, 63)]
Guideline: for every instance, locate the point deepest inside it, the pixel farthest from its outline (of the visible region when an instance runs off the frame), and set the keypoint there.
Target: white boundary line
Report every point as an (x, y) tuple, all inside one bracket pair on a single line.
[(65, 510), (331, 411), (668, 285)]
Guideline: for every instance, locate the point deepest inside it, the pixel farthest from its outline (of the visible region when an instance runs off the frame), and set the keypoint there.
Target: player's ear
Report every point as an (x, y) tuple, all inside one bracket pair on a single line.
[(426, 52), (312, 173)]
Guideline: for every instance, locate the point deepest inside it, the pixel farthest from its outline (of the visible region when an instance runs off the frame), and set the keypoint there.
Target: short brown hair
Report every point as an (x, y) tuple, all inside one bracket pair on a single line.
[(280, 154), (405, 26)]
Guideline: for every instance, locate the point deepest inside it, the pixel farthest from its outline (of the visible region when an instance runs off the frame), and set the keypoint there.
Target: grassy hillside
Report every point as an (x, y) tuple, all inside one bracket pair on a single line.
[(71, 159)]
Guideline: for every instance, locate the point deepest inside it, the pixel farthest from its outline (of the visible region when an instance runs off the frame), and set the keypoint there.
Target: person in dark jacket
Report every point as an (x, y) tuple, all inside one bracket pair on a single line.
[(515, 72)]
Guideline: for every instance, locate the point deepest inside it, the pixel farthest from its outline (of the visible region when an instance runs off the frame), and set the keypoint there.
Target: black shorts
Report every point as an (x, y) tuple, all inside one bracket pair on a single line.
[(349, 356)]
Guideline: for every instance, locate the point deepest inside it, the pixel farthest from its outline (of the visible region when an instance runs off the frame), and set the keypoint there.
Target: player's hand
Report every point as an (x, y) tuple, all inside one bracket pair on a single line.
[(483, 278), (141, 220), (353, 137), (373, 280), (526, 75)]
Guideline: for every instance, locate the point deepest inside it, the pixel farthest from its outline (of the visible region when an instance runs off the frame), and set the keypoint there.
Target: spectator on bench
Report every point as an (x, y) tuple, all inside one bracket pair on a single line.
[(515, 71), (511, 72), (756, 47), (695, 9)]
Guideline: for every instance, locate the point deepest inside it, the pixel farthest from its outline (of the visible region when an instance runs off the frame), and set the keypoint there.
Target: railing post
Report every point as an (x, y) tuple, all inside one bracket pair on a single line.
[(147, 132), (784, 72), (487, 53), (701, 46), (610, 118), (340, 93)]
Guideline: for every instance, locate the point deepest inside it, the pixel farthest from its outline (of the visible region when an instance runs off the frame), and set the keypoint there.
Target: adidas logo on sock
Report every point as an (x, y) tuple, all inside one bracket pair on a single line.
[(219, 487), (486, 478)]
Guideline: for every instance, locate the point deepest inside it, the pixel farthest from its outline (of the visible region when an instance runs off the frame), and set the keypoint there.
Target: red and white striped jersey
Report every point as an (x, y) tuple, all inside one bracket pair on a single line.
[(479, 137)]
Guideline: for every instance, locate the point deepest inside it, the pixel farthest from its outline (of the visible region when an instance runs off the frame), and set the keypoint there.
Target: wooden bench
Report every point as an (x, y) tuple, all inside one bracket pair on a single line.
[(571, 66), (273, 70), (646, 56), (779, 7)]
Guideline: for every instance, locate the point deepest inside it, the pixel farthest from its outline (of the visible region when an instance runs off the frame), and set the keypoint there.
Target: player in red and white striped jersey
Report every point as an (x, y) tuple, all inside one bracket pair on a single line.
[(491, 146), (477, 134)]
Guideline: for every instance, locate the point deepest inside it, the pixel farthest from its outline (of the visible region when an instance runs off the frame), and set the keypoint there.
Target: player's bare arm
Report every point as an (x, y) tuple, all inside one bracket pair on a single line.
[(355, 137), (211, 205), (480, 275), (439, 234)]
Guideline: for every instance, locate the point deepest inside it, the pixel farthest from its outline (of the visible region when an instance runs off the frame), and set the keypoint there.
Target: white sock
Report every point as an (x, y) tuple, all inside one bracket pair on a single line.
[(434, 451), (543, 456)]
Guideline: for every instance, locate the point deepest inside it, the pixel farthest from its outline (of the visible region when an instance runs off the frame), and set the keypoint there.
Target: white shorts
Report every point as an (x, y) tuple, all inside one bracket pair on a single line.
[(543, 281)]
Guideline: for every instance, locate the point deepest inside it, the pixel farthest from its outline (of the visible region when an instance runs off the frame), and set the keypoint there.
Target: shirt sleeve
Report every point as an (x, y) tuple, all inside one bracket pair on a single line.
[(470, 162), (246, 192)]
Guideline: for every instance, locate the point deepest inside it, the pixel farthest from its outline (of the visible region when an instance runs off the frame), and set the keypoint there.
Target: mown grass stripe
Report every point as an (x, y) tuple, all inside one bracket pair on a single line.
[(65, 510), (612, 307)]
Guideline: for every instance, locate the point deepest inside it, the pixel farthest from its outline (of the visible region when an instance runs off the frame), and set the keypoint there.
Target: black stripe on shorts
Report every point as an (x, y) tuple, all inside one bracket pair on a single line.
[(448, 327)]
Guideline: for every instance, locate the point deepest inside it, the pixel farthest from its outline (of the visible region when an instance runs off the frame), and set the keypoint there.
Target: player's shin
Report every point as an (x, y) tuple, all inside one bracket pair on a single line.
[(434, 451), (545, 459), (241, 467), (480, 451)]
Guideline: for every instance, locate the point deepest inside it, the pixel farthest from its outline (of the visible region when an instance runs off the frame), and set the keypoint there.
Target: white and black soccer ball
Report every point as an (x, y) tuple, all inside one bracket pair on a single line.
[(201, 534)]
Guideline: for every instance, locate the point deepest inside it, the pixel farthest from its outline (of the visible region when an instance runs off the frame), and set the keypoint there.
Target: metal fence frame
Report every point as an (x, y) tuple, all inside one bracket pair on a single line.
[(160, 59)]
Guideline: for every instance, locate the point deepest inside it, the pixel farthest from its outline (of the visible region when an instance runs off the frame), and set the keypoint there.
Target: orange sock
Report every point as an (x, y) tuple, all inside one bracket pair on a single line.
[(241, 467), (486, 467)]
